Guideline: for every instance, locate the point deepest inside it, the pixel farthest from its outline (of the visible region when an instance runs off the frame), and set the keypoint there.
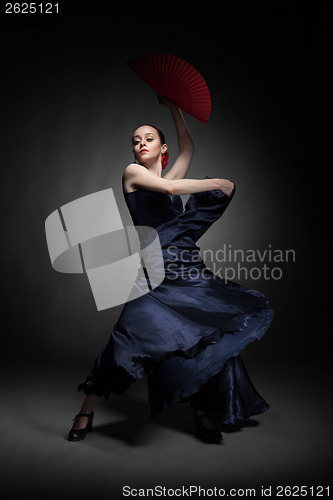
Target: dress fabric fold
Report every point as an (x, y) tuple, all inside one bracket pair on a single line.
[(186, 334)]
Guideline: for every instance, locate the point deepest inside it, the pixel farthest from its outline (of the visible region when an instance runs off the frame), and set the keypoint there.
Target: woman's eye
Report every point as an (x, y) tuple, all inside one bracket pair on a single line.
[(150, 139)]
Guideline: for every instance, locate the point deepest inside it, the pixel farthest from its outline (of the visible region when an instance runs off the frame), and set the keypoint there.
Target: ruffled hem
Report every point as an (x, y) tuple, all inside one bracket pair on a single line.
[(230, 419), (106, 377), (178, 378), (140, 365), (133, 355), (180, 374)]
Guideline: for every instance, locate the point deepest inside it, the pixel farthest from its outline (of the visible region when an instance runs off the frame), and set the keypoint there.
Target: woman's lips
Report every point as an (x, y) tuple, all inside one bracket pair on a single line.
[(144, 151)]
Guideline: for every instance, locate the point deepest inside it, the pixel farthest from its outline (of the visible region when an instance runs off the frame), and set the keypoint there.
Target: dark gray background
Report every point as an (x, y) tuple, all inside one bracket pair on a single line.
[(70, 104)]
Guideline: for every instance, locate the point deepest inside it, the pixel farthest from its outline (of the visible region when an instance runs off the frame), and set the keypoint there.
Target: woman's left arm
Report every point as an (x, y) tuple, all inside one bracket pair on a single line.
[(185, 143)]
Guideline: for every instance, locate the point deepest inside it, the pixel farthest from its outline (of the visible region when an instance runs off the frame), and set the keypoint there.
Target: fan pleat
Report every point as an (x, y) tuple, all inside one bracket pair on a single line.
[(177, 80)]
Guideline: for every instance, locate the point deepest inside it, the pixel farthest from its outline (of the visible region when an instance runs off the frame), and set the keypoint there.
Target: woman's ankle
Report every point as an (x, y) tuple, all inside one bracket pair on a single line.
[(80, 422), (206, 422)]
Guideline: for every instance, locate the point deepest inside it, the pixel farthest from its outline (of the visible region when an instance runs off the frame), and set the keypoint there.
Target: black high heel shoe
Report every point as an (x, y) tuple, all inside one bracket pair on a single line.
[(204, 434), (79, 434)]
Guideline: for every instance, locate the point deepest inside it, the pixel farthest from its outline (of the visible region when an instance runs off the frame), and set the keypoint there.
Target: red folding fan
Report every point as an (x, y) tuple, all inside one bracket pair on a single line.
[(176, 80)]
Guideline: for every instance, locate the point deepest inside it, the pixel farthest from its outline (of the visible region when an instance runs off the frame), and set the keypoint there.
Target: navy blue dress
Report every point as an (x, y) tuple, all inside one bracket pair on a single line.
[(186, 334)]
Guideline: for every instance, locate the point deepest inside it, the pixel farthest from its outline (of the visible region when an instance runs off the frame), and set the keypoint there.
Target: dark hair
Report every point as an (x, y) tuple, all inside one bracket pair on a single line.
[(160, 133)]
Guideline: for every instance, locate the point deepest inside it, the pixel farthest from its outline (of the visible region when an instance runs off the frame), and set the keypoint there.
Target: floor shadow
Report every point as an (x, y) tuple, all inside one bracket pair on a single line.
[(238, 427), (177, 417), (135, 426), (128, 430)]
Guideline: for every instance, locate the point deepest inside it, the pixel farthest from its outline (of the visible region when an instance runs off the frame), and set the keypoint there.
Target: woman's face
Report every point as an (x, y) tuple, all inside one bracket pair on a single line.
[(147, 144)]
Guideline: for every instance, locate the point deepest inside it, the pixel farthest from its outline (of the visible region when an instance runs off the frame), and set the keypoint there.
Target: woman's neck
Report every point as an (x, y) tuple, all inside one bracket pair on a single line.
[(154, 168)]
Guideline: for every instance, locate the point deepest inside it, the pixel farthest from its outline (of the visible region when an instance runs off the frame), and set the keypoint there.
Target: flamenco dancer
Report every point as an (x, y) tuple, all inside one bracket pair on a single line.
[(186, 334)]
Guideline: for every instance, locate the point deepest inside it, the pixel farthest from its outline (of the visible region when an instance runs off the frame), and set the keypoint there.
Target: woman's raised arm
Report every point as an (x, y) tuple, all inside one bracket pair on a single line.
[(185, 143)]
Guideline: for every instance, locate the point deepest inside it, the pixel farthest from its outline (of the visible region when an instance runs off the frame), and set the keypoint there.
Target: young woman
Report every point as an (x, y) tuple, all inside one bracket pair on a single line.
[(185, 335)]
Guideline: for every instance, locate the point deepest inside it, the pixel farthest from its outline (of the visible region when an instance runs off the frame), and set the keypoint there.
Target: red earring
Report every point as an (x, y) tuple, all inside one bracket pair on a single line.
[(165, 159)]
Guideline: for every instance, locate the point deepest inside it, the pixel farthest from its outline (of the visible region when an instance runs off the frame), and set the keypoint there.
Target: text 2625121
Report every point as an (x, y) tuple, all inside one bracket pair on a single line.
[(32, 8)]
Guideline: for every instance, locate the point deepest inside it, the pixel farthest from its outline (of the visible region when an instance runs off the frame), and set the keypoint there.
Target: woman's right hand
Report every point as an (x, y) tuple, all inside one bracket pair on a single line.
[(226, 186), (164, 101)]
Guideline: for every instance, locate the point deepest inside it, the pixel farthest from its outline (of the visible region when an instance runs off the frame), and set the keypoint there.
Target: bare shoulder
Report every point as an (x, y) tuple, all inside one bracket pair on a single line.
[(132, 169), (130, 172)]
